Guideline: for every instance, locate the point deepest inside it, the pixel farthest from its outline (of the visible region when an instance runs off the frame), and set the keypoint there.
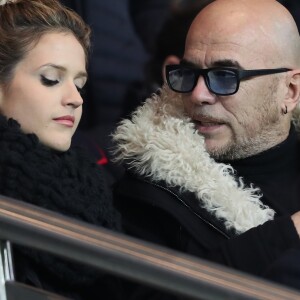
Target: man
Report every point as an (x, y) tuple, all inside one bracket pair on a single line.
[(213, 162)]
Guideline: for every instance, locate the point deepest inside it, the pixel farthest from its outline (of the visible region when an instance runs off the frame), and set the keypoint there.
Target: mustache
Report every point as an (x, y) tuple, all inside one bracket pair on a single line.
[(200, 117)]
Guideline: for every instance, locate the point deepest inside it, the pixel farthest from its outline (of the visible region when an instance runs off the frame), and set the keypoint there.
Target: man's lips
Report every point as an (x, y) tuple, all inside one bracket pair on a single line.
[(203, 120), (65, 120), (206, 124)]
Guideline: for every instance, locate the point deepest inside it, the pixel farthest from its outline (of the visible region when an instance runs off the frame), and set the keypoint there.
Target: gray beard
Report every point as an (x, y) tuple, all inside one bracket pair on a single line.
[(247, 147), (268, 132)]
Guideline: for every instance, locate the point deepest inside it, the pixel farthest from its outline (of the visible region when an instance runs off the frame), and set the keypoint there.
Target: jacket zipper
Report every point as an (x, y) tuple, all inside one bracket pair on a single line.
[(186, 205)]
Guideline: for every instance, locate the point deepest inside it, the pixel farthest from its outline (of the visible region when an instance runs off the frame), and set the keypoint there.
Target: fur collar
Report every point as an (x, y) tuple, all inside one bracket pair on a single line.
[(160, 142)]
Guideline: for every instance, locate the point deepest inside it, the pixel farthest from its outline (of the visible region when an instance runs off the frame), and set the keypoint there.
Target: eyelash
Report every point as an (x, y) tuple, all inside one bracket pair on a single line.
[(49, 82)]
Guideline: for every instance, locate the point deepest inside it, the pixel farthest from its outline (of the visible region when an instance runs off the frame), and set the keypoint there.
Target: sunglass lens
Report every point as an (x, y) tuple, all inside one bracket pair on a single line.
[(181, 80), (222, 82)]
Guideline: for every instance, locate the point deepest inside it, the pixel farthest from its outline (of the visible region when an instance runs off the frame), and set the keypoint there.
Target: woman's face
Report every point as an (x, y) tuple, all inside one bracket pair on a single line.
[(44, 94)]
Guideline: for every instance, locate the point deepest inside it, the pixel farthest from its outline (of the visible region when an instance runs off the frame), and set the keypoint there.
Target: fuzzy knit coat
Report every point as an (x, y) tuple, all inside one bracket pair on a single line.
[(175, 194), (64, 182)]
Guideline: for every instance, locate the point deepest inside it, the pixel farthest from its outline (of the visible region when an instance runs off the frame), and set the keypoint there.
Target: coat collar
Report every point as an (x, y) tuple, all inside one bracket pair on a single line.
[(159, 142)]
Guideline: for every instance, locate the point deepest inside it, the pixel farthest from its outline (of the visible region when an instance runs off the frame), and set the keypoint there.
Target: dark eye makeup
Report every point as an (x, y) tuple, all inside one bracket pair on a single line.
[(48, 82)]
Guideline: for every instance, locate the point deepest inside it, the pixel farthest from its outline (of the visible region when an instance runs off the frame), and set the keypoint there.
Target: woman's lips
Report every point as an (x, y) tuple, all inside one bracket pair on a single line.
[(65, 120)]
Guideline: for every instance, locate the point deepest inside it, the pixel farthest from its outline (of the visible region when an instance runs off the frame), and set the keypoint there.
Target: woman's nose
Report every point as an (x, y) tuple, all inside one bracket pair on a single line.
[(72, 96)]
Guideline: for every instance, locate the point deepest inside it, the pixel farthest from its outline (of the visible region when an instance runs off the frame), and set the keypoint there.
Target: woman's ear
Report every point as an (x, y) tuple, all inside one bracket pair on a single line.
[(293, 95), (169, 60)]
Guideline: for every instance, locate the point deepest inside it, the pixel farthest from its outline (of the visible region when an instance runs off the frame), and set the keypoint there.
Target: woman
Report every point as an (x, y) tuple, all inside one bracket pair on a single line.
[(43, 57)]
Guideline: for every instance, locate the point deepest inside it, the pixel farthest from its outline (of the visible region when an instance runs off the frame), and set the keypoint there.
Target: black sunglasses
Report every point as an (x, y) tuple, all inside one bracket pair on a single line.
[(221, 81)]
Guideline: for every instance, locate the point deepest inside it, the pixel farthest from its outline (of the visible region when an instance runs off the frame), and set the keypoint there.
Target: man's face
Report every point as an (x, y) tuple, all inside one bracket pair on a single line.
[(247, 122)]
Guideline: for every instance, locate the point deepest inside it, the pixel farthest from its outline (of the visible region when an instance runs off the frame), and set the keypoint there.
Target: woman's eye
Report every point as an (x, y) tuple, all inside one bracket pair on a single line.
[(48, 82)]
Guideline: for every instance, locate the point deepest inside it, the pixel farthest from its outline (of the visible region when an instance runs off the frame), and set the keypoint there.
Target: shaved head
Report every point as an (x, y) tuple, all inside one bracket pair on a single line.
[(249, 35), (264, 25)]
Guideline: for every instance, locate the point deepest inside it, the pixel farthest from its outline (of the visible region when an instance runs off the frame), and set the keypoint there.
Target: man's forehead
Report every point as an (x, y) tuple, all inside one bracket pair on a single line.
[(233, 29), (224, 54), (237, 40), (263, 28)]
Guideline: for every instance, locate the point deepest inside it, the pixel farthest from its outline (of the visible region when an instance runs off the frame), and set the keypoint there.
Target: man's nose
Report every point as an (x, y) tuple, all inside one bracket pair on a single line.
[(201, 94)]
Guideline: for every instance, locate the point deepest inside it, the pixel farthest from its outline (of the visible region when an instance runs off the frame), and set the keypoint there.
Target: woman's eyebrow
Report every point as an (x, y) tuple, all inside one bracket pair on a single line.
[(61, 68)]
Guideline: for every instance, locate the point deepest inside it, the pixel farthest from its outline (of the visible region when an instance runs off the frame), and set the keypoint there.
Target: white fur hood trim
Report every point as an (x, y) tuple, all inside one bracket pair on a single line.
[(161, 143)]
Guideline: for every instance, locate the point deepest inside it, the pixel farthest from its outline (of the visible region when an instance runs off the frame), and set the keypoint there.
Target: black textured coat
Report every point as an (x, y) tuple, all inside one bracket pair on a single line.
[(64, 182), (173, 218), (170, 183)]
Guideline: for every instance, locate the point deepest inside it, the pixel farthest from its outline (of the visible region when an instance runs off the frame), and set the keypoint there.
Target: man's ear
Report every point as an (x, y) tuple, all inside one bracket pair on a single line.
[(169, 60), (293, 93)]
